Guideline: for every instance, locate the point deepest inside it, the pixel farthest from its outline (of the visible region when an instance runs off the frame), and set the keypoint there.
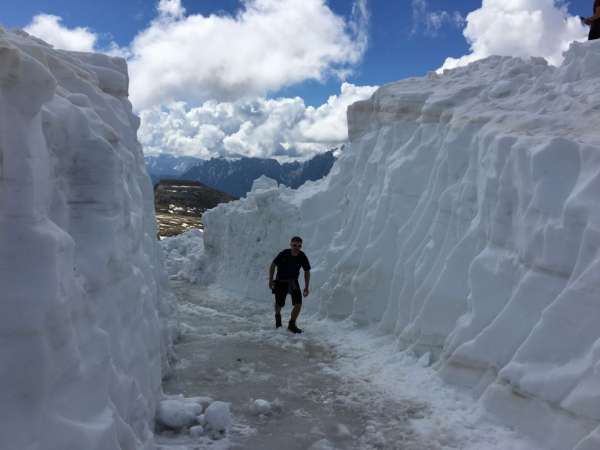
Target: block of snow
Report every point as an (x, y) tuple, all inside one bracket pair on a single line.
[(322, 444), (260, 406), (197, 431), (218, 417), (177, 414), (86, 319), (201, 400)]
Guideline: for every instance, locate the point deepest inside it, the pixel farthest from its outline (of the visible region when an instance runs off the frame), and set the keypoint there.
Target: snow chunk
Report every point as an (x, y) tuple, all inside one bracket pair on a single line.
[(197, 431), (322, 444), (177, 414), (218, 417), (260, 406), (184, 255)]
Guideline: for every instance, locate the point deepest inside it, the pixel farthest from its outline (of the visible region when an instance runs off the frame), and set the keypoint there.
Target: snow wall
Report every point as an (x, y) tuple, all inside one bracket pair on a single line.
[(84, 312), (464, 217)]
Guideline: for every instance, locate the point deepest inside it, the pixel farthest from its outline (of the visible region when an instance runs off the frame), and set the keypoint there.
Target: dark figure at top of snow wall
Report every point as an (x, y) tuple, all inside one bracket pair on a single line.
[(288, 263), (594, 22)]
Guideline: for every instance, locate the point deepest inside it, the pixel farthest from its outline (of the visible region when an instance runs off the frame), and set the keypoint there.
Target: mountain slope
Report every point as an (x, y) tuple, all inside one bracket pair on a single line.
[(168, 166), (235, 177)]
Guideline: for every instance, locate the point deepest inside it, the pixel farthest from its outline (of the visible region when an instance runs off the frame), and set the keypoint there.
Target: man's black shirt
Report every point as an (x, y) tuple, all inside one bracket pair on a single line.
[(288, 265)]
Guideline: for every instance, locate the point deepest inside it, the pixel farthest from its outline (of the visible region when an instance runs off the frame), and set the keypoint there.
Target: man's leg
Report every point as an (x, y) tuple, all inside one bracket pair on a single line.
[(277, 315), (296, 312), (279, 303), (296, 307)]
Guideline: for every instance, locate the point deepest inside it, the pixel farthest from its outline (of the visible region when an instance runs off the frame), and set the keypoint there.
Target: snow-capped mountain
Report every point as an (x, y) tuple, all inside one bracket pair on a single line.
[(168, 166), (235, 176)]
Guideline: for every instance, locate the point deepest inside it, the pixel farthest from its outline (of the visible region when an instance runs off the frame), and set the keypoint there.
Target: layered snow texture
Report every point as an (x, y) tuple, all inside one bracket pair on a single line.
[(464, 217), (84, 311)]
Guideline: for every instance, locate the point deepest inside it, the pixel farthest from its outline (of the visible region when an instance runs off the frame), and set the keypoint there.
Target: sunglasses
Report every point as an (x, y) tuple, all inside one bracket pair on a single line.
[(297, 245)]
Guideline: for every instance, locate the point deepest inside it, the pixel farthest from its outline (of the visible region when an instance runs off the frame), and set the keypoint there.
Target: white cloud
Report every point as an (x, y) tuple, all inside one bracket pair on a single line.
[(519, 28), (268, 45), (50, 29), (327, 123), (260, 127), (433, 20), (171, 8), (227, 65)]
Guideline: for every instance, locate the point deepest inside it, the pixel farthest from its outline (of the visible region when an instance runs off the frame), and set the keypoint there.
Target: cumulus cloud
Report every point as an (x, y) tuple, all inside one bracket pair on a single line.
[(268, 45), (284, 128), (433, 21), (171, 8), (519, 28), (200, 83), (50, 29)]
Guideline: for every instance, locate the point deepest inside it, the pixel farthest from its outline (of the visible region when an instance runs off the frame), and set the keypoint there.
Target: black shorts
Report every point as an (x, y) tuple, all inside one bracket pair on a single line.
[(283, 288)]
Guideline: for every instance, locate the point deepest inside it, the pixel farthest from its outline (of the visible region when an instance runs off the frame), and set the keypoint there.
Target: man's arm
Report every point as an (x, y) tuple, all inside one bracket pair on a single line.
[(306, 282), (271, 275)]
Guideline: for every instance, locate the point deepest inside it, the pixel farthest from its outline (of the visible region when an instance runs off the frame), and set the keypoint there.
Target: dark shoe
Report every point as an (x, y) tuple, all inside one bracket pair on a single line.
[(293, 328), (277, 321)]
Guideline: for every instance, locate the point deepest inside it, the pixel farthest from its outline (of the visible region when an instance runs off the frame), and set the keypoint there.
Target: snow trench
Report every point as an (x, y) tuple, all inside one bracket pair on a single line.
[(85, 312), (464, 218)]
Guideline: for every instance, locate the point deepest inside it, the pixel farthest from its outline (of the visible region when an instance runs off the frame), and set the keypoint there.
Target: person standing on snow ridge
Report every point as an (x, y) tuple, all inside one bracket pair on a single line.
[(594, 22), (288, 263)]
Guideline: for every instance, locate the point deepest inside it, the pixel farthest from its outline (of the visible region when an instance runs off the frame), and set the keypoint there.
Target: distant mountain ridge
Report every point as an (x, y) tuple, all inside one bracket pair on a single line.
[(168, 166), (235, 177)]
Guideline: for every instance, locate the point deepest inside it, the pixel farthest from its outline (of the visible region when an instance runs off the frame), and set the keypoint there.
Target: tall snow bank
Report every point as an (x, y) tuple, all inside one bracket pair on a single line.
[(464, 217), (84, 309)]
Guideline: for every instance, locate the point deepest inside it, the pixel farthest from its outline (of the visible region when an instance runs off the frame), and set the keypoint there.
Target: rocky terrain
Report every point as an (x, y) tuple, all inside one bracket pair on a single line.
[(180, 203)]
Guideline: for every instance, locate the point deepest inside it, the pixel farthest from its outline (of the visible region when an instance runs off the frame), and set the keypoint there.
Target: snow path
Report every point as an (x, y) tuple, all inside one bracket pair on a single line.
[(333, 387)]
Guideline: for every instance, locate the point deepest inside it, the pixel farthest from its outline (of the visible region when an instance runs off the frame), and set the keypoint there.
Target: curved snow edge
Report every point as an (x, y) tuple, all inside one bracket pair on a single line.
[(86, 322), (464, 218)]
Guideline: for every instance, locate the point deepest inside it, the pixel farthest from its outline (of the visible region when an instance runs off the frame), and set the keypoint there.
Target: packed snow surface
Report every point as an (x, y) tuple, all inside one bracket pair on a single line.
[(84, 311), (333, 383), (464, 219)]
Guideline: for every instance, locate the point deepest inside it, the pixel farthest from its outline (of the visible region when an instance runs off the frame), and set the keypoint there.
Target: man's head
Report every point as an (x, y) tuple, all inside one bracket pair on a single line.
[(296, 244)]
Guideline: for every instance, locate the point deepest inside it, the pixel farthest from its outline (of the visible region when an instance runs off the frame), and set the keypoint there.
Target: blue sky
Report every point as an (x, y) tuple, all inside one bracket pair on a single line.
[(404, 38), (394, 51)]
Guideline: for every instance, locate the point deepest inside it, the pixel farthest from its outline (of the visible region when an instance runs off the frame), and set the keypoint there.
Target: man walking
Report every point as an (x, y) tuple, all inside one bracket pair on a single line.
[(288, 263)]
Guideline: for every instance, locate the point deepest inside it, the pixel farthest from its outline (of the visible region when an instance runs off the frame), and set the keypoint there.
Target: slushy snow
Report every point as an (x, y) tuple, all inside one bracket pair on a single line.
[(463, 219), (85, 314)]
